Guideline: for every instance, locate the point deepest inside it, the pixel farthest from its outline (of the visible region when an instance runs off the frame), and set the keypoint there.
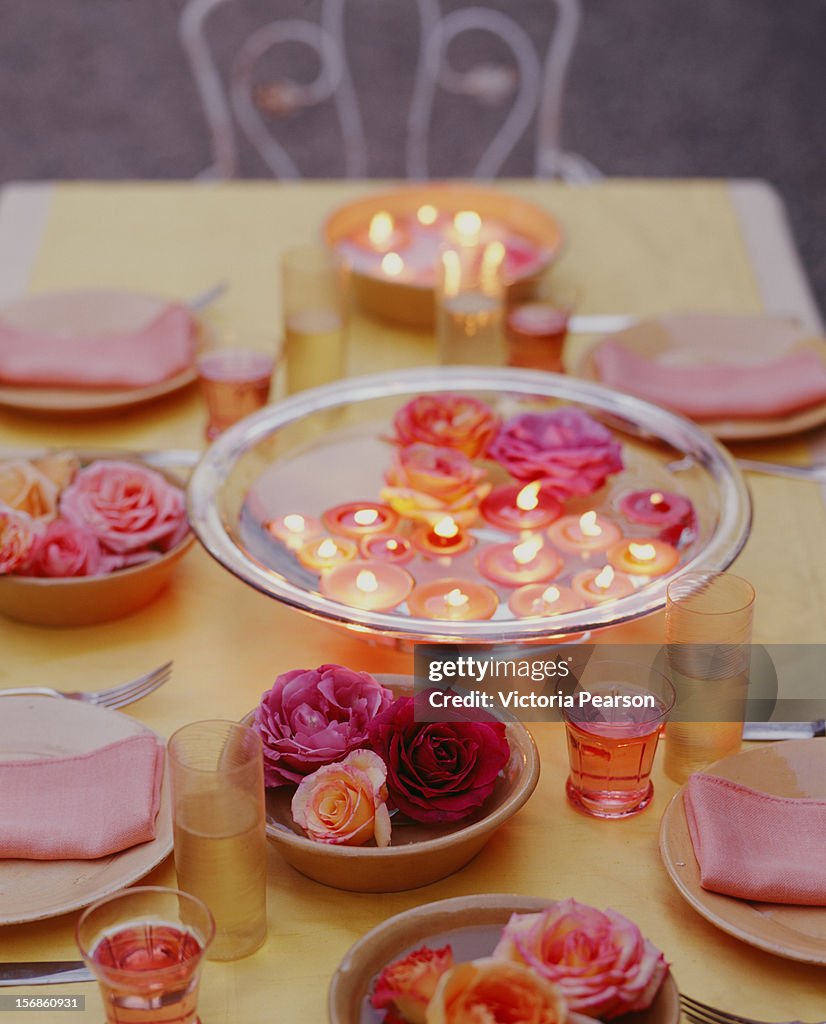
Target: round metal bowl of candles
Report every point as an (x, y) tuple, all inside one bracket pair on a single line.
[(444, 537), (512, 565), (391, 242), (374, 586), (520, 507), (595, 586), (360, 518), (333, 445), (454, 599), (643, 556), (584, 534)]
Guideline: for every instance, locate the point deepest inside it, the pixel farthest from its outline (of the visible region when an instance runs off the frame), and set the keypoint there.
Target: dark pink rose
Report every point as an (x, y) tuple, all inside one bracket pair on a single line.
[(64, 549), (448, 421), (18, 532), (406, 986), (566, 449), (128, 507), (437, 771), (313, 717)]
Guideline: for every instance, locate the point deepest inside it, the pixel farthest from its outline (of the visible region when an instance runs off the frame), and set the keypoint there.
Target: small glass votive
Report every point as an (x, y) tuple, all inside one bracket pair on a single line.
[(536, 331), (146, 946), (219, 829), (613, 729), (315, 300), (470, 302), (235, 372)]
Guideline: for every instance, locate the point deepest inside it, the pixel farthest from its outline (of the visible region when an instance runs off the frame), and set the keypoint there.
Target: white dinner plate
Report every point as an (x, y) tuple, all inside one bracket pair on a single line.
[(37, 726)]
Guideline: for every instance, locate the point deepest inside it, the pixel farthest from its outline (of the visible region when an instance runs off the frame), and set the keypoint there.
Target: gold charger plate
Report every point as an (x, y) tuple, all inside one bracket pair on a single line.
[(794, 768), (39, 726), (706, 338), (471, 924), (98, 311)]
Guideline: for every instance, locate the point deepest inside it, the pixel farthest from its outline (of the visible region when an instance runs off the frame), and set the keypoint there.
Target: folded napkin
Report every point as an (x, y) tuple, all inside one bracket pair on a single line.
[(707, 391), (81, 807), (156, 352), (756, 846)]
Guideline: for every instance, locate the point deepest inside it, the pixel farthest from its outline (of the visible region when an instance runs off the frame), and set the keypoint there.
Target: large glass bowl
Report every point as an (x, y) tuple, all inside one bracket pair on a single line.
[(328, 446)]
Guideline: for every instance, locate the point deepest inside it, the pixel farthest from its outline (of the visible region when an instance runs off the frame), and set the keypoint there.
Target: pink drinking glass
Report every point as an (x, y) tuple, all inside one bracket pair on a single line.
[(235, 382)]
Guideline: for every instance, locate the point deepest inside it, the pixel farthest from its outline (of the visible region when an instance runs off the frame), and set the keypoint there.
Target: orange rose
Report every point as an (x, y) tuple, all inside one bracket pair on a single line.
[(18, 534), (407, 985), (344, 803), (495, 992), (25, 488), (428, 483)]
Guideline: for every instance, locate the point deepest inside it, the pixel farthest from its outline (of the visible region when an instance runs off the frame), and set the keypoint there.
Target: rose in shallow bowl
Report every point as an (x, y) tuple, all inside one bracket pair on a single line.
[(106, 549), (419, 853)]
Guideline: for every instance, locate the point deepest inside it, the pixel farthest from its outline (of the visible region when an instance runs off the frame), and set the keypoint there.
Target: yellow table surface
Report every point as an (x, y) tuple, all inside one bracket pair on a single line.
[(632, 247)]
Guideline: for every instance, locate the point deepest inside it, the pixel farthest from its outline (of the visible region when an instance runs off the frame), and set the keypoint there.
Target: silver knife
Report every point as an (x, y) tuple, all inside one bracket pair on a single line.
[(783, 730), (44, 972), (600, 323)]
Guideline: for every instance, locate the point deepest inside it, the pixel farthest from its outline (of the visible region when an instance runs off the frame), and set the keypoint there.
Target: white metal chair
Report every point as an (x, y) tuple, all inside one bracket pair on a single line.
[(533, 85)]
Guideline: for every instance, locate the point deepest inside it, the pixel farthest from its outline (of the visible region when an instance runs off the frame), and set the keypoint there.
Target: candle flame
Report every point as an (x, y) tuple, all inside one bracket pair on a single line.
[(604, 578), (451, 271), (588, 525), (656, 498), (468, 224), (366, 516), (492, 259), (327, 548), (391, 544), (294, 522), (392, 264), (366, 582), (642, 552), (528, 497), (381, 229), (551, 594), (527, 550), (455, 598), (446, 528), (427, 214)]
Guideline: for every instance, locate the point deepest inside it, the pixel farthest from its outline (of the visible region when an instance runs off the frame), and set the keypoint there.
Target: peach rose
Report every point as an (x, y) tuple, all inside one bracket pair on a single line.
[(18, 532), (407, 986), (60, 467), (344, 803), (448, 421), (427, 483), (600, 961), (490, 991), (24, 487)]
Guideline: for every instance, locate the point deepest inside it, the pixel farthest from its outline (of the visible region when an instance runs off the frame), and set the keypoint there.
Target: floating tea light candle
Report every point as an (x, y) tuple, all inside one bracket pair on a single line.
[(372, 586), (529, 562), (467, 228), (387, 548), (360, 519), (597, 585), (383, 234), (516, 507), (294, 529), (671, 513), (584, 534), (455, 599), (539, 600), (427, 214), (322, 555), (643, 557), (444, 537)]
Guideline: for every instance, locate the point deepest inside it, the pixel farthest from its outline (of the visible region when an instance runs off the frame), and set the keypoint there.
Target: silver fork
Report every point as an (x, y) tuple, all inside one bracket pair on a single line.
[(113, 697), (702, 1014)]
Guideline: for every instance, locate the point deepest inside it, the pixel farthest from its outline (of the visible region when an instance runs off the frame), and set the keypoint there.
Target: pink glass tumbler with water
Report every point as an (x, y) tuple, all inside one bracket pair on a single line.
[(235, 382)]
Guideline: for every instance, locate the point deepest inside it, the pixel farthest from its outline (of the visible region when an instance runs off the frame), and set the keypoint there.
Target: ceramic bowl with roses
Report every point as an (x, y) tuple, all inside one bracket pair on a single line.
[(85, 540), (418, 852)]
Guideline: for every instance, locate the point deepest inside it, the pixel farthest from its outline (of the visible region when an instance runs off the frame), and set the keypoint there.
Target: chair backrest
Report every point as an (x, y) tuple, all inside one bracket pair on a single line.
[(507, 95)]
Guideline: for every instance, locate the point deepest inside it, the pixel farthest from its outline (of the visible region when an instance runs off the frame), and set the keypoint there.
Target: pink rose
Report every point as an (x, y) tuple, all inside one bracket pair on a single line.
[(407, 986), (312, 717), (427, 483), (600, 961), (64, 549), (344, 803), (489, 990), (568, 450), (128, 507), (437, 771), (25, 488), (18, 532), (448, 421)]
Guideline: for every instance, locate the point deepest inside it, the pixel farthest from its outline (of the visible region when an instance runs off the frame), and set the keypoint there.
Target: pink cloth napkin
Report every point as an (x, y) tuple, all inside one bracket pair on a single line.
[(158, 351), (756, 846), (81, 807), (716, 390)]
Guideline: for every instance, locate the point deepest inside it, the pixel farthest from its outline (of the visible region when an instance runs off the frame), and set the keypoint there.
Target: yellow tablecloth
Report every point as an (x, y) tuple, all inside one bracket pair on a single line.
[(633, 247)]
